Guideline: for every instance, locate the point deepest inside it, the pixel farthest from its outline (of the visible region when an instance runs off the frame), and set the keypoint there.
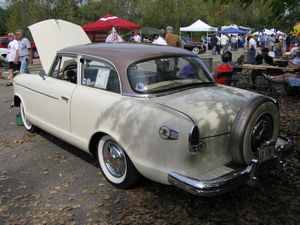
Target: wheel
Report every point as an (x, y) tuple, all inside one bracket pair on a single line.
[(28, 126), (35, 53), (256, 123), (116, 165), (196, 50)]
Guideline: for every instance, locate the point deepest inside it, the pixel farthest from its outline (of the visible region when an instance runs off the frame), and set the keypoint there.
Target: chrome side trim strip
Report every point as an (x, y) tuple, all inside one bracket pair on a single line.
[(37, 91)]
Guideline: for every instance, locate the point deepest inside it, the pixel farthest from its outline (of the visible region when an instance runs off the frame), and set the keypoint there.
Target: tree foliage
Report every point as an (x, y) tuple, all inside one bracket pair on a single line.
[(155, 13)]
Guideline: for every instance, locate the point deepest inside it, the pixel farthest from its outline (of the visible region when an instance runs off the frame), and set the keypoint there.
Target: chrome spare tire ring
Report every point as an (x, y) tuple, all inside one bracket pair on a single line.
[(256, 124)]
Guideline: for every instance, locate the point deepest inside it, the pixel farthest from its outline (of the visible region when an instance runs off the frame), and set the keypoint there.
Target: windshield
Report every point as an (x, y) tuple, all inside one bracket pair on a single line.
[(164, 74)]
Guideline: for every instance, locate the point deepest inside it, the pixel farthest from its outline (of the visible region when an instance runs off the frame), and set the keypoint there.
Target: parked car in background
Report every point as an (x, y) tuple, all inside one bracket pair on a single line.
[(3, 52), (147, 110), (195, 46), (4, 41)]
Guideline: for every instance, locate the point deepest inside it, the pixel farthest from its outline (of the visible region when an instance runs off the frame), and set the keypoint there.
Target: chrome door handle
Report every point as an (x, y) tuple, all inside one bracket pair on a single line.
[(65, 99)]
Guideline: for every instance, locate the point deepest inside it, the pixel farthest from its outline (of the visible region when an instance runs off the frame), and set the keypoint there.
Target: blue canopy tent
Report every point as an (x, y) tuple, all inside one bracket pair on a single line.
[(232, 30)]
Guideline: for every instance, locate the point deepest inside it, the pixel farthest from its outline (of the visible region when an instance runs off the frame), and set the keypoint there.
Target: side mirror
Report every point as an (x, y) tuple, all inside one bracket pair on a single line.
[(42, 74)]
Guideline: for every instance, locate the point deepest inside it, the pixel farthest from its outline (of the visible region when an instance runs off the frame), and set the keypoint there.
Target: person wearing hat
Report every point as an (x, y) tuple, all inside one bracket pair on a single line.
[(171, 38)]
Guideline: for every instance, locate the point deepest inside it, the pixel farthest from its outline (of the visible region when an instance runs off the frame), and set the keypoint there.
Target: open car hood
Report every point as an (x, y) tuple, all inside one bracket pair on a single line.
[(53, 35)]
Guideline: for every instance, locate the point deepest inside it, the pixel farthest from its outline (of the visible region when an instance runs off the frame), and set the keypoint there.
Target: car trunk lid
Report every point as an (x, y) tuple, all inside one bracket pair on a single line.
[(213, 109)]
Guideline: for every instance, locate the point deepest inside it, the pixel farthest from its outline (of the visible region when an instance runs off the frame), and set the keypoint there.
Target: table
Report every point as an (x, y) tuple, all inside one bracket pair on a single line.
[(281, 60), (250, 78), (265, 67)]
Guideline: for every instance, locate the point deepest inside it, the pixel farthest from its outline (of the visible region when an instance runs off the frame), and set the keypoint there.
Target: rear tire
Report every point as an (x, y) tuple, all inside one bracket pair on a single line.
[(28, 126), (116, 166)]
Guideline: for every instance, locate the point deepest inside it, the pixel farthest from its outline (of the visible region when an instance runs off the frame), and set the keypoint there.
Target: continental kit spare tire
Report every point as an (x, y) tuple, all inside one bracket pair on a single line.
[(256, 123)]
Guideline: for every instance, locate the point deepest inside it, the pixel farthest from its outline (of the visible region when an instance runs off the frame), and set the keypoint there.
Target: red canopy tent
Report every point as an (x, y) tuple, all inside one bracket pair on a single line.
[(108, 21)]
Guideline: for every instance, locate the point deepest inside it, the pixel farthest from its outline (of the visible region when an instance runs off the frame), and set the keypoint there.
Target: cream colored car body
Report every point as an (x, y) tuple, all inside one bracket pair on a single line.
[(135, 123), (75, 113)]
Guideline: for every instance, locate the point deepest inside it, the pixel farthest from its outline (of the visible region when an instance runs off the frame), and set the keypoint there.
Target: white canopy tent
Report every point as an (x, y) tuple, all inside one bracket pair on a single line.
[(268, 32), (199, 26), (277, 31)]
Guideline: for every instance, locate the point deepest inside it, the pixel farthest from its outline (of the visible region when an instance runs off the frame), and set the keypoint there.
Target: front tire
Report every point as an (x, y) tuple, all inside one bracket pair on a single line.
[(28, 126), (116, 166)]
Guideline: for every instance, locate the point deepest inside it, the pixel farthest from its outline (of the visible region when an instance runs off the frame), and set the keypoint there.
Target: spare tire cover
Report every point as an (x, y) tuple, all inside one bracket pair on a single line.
[(256, 123)]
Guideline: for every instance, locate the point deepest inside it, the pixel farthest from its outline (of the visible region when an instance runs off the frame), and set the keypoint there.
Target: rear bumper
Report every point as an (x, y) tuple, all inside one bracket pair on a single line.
[(232, 179)]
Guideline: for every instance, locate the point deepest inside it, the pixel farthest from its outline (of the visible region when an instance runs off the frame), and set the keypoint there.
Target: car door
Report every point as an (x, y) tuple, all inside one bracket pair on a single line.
[(50, 105), (93, 100)]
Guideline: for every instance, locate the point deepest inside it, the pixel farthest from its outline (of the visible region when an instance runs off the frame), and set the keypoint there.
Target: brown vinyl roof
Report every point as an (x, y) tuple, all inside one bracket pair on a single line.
[(131, 52), (124, 54)]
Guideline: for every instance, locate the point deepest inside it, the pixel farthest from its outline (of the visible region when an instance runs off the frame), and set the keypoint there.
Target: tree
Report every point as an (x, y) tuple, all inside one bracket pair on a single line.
[(2, 21), (283, 12)]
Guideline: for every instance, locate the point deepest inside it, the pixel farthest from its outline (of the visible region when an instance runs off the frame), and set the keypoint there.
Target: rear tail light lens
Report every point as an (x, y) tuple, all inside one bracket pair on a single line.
[(195, 145)]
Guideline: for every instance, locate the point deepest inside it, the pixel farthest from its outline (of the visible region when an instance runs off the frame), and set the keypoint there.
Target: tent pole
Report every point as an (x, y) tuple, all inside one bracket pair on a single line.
[(207, 40), (141, 35)]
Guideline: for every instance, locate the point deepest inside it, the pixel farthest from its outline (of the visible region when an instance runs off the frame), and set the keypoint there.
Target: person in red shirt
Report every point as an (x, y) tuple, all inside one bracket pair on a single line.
[(224, 71)]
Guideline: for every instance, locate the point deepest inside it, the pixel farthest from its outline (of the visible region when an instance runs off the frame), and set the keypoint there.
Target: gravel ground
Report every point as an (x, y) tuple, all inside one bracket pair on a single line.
[(46, 181)]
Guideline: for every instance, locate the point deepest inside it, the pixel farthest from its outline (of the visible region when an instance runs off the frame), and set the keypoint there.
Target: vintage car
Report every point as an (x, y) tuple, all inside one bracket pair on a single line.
[(197, 47), (145, 110)]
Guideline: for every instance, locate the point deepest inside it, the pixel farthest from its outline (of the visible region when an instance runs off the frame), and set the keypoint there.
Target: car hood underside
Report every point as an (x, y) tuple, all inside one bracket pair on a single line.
[(213, 109)]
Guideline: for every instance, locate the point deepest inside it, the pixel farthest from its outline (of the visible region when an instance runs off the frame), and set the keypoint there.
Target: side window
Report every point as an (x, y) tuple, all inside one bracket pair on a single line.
[(65, 69), (100, 75)]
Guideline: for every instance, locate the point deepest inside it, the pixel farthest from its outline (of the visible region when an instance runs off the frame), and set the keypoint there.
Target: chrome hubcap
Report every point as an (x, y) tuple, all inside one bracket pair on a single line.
[(114, 159)]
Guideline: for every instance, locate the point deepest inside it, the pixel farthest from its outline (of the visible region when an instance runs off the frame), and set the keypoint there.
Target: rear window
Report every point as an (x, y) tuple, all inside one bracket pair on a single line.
[(168, 73)]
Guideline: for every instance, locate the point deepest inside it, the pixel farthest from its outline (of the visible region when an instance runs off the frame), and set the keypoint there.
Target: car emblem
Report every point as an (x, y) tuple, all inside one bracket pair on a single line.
[(168, 133)]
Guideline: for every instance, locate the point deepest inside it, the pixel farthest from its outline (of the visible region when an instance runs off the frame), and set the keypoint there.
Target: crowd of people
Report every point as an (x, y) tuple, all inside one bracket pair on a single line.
[(264, 50), (261, 49)]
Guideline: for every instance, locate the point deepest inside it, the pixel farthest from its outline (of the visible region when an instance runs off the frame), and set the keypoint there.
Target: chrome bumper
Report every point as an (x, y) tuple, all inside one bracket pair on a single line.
[(233, 179)]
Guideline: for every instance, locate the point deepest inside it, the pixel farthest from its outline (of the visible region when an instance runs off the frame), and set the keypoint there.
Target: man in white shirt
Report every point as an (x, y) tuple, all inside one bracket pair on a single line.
[(137, 38), (12, 56), (25, 52), (251, 50), (160, 40), (224, 42)]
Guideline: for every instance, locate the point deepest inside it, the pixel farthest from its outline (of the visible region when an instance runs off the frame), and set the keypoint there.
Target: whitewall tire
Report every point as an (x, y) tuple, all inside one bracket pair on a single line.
[(256, 123), (28, 126), (115, 164)]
